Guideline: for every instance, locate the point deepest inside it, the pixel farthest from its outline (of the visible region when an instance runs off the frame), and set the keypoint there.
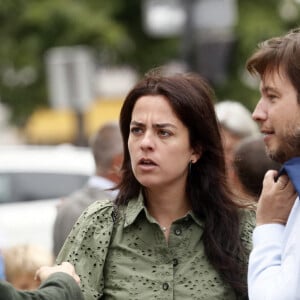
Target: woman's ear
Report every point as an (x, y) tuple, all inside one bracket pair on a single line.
[(196, 155)]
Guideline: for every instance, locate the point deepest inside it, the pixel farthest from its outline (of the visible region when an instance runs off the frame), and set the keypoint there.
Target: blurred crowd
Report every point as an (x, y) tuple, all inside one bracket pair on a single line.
[(19, 263)]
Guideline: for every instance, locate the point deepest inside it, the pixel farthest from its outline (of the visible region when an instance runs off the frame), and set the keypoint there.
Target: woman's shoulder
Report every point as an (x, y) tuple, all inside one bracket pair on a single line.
[(247, 217), (98, 208), (97, 214), (94, 226)]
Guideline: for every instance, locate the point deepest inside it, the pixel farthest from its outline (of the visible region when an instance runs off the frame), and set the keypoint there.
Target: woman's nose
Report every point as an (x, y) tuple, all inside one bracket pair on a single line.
[(147, 141)]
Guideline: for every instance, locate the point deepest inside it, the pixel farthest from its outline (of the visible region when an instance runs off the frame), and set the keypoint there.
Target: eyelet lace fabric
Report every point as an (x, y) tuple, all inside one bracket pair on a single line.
[(129, 258)]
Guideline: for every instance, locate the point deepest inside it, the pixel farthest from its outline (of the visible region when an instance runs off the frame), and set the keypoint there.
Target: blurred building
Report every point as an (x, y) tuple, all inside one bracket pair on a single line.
[(9, 135), (102, 103), (206, 28)]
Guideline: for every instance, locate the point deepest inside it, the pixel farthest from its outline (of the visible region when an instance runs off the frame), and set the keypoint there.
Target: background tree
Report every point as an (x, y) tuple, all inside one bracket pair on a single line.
[(28, 28)]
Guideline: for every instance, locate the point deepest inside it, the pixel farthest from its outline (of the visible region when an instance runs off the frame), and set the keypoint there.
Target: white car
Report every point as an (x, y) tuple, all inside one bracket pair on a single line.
[(32, 181)]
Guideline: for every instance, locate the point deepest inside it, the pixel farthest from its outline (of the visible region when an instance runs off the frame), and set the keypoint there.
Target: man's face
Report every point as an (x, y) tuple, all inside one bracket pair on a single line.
[(278, 115)]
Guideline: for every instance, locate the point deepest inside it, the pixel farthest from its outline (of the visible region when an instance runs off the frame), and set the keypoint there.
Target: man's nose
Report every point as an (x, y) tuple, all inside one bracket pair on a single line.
[(259, 113)]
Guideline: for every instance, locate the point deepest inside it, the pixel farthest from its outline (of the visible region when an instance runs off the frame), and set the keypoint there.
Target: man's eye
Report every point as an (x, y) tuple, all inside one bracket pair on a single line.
[(271, 96)]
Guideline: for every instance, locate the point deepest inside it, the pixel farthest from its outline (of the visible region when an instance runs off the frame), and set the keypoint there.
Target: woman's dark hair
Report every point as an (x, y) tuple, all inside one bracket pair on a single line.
[(191, 99)]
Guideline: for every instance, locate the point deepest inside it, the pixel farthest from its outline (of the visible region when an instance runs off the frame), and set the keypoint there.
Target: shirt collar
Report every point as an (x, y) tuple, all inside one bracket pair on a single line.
[(196, 219), (292, 169), (136, 205)]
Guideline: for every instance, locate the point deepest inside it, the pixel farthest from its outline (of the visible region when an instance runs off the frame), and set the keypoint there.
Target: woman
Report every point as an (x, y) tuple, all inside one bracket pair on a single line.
[(173, 232)]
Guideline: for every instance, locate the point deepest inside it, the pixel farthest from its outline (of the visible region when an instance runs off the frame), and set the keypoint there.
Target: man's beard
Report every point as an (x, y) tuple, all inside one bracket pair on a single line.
[(289, 148)]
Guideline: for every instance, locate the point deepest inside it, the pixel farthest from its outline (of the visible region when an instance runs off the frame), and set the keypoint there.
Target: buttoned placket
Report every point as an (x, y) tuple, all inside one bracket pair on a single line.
[(166, 271)]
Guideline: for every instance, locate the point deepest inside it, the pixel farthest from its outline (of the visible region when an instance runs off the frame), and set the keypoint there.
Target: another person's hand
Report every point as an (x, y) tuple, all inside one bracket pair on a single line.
[(44, 272), (276, 200)]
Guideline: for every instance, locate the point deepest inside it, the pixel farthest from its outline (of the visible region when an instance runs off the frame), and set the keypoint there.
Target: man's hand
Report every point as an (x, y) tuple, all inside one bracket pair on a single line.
[(276, 199), (44, 272)]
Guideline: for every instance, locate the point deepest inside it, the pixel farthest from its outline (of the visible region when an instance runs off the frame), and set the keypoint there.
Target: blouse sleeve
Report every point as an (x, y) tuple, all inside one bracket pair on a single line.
[(87, 245)]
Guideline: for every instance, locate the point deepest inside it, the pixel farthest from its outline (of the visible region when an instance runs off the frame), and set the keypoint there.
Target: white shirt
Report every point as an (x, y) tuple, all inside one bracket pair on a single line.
[(274, 263), (102, 183)]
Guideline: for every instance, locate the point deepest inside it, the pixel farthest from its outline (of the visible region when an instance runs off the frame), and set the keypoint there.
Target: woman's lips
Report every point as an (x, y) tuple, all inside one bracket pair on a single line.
[(146, 164)]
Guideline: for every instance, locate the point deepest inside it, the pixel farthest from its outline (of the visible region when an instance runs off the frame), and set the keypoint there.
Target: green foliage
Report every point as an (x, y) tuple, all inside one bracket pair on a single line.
[(28, 28), (258, 20)]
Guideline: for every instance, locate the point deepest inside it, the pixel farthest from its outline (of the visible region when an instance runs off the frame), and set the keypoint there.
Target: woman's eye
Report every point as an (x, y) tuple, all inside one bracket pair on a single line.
[(164, 133), (135, 130)]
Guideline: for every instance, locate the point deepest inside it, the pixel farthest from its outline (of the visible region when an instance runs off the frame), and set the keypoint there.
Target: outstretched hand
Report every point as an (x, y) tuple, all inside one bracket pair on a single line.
[(276, 200), (44, 272)]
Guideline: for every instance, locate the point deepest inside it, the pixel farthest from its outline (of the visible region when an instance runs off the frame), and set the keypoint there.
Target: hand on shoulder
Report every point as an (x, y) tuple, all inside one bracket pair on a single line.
[(44, 272)]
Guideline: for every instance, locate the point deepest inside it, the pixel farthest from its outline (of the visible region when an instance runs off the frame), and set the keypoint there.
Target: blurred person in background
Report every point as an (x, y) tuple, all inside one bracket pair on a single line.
[(9, 135), (58, 283), (2, 271), (21, 263), (173, 232), (236, 123), (250, 164), (107, 148), (2, 266)]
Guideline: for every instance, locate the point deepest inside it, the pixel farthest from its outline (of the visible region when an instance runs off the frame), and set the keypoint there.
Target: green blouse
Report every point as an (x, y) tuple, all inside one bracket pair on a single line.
[(140, 263)]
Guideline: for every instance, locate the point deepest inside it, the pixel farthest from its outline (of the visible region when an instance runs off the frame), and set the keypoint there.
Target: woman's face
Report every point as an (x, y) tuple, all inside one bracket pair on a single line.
[(159, 144)]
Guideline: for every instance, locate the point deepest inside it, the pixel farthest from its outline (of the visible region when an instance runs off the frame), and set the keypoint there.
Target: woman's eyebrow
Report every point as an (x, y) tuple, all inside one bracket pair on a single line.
[(164, 125), (157, 125)]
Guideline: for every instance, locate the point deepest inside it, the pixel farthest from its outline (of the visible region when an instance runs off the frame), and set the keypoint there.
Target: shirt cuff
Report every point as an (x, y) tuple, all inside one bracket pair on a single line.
[(268, 233)]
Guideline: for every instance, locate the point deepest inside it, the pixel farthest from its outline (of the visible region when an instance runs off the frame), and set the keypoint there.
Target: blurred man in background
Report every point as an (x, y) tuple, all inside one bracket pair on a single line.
[(107, 150)]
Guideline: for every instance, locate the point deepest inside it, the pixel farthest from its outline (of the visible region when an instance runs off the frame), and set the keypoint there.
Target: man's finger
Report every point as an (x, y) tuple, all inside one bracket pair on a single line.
[(282, 181), (269, 178)]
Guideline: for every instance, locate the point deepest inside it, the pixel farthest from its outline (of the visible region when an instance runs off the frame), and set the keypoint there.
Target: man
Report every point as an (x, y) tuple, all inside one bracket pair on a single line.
[(58, 283), (274, 265), (107, 150)]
